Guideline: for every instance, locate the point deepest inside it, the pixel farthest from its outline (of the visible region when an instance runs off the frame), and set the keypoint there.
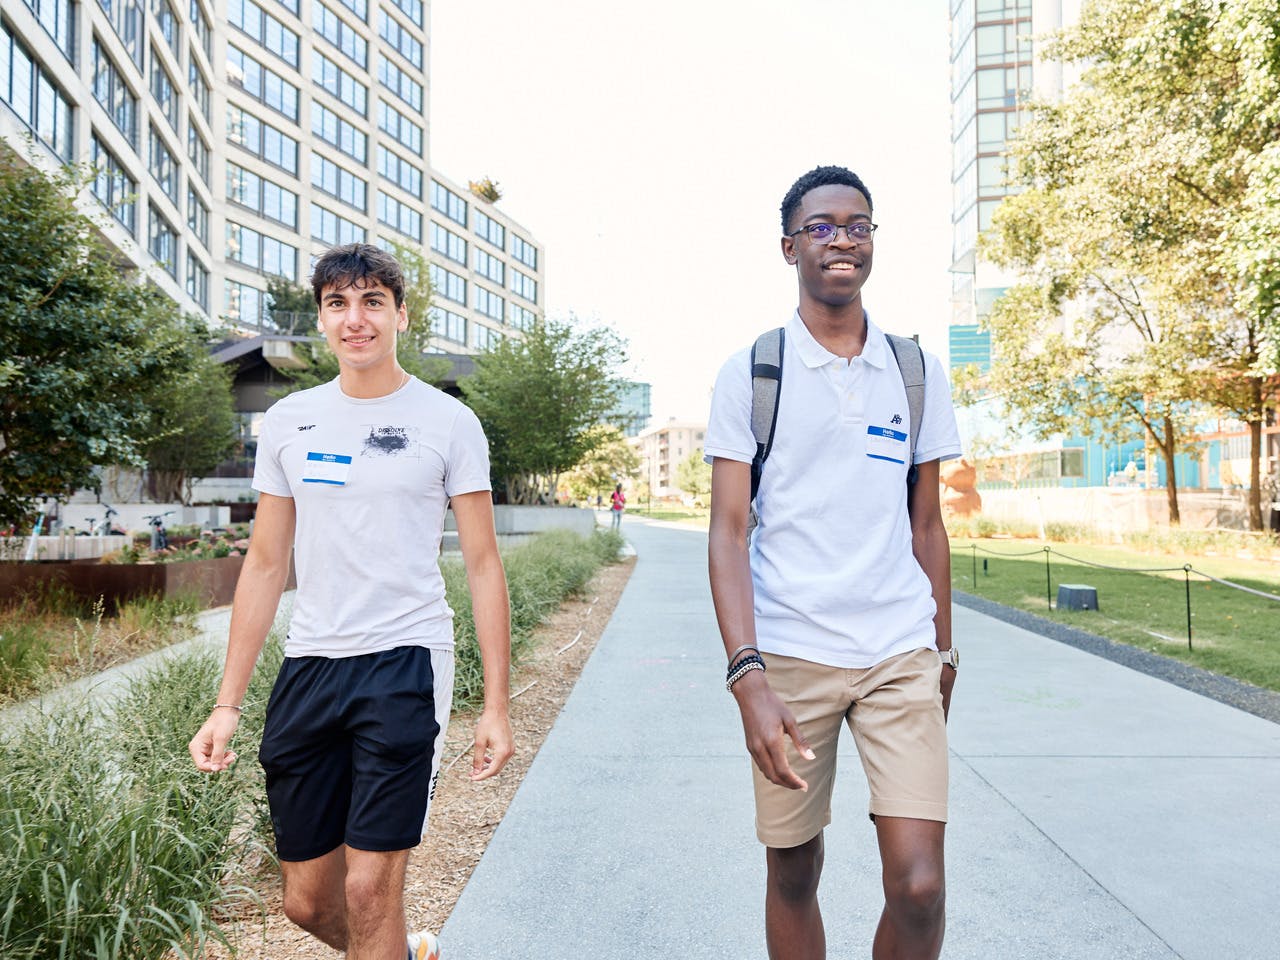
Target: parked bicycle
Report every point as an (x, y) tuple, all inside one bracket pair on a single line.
[(103, 527), (159, 539)]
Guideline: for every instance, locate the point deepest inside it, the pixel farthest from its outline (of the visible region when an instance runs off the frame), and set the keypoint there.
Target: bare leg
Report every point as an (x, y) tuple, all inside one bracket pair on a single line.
[(315, 897), (914, 917), (793, 922)]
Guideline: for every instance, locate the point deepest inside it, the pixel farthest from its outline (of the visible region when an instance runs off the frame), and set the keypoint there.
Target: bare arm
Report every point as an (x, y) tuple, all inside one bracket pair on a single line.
[(262, 580), (932, 549), (487, 580), (766, 721)]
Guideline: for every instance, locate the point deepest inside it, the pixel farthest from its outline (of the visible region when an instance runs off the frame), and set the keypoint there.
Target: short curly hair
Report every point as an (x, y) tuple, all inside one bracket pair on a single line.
[(353, 264), (819, 177)]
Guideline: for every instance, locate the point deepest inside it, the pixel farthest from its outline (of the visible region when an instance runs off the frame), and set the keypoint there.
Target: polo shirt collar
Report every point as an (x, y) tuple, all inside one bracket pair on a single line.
[(813, 354)]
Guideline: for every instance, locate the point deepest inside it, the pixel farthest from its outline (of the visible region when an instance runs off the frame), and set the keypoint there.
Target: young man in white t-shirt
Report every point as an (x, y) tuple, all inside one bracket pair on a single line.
[(354, 478), (836, 609)]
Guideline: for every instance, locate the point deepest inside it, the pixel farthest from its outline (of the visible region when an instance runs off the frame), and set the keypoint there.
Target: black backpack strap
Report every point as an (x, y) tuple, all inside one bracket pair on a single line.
[(766, 386), (910, 359)]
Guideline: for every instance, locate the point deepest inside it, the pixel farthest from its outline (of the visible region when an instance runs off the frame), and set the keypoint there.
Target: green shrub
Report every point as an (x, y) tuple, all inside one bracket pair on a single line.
[(24, 654), (540, 574)]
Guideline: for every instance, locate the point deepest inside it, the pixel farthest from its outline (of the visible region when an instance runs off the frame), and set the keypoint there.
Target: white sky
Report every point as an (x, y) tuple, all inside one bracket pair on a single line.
[(648, 147)]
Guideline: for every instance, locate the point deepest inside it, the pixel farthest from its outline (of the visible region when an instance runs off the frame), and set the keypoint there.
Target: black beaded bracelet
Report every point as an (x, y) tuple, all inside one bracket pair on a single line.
[(750, 658), (742, 672)]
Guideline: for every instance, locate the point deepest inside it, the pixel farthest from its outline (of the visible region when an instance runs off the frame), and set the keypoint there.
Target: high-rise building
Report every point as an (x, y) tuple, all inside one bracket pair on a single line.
[(233, 143), (994, 71)]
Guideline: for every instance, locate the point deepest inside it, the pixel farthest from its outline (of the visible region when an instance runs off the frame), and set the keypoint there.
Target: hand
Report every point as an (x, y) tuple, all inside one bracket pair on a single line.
[(767, 723), (494, 744), (947, 682), (209, 746)]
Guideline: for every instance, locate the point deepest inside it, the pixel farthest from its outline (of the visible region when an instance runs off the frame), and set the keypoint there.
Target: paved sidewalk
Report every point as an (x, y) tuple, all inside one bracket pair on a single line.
[(1097, 812)]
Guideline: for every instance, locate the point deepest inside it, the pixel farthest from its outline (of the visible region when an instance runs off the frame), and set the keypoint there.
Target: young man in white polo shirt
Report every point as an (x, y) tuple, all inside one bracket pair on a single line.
[(836, 608), (355, 476)]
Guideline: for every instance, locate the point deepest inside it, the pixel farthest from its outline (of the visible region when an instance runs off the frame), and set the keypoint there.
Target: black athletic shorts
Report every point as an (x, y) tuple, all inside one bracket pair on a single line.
[(352, 747)]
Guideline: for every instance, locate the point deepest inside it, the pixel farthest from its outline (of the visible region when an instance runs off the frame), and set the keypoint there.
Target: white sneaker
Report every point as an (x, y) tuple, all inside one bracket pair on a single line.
[(423, 945)]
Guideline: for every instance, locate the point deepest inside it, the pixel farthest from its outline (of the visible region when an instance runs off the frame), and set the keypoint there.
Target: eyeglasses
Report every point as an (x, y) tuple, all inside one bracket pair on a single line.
[(859, 231)]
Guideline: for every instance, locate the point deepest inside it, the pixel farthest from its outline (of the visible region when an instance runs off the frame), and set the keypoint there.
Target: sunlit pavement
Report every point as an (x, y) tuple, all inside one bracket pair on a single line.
[(1096, 812)]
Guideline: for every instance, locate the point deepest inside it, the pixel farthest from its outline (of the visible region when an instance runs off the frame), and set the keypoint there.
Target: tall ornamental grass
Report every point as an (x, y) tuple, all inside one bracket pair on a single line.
[(540, 574)]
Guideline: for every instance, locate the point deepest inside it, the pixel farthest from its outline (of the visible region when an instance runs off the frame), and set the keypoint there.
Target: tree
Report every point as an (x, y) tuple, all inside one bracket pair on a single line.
[(693, 475), (82, 337), (292, 307), (193, 417), (613, 461), (1141, 289), (540, 398)]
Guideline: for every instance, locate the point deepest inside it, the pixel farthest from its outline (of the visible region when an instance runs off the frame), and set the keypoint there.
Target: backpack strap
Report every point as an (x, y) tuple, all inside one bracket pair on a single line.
[(910, 358), (766, 385)]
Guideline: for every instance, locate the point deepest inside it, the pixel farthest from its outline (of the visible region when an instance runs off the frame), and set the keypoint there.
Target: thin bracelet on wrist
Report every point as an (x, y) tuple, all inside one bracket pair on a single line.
[(229, 706)]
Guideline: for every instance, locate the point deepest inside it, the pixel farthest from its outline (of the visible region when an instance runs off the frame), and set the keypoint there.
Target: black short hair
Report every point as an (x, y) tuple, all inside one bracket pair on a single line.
[(352, 264), (819, 177)]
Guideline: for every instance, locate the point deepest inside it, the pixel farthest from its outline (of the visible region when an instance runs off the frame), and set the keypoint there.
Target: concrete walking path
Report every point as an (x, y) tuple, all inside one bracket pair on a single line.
[(1096, 812)]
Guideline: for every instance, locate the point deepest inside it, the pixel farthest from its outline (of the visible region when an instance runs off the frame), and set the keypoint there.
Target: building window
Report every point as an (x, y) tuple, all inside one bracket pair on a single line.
[(490, 267), (448, 325), (58, 19), (328, 227), (491, 230), (338, 182), (399, 216), (197, 281), (164, 168), (448, 203), (290, 5), (162, 90), (261, 252), (392, 121), (340, 34), (330, 77), (125, 17), (264, 197), (524, 285), (337, 132), (113, 186), (488, 303), (405, 43), (34, 97), (448, 243), (261, 83), (448, 284), (163, 242), (521, 318), (270, 34), (359, 7), (200, 26), (261, 139), (524, 251), (167, 23), (197, 216), (198, 84), (245, 304), (400, 83), (411, 9), (110, 90), (400, 171), (198, 151), (989, 10), (484, 338), (1003, 86)]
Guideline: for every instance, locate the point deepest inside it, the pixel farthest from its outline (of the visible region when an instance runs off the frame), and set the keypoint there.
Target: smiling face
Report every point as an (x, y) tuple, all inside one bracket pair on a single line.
[(360, 323), (830, 274)]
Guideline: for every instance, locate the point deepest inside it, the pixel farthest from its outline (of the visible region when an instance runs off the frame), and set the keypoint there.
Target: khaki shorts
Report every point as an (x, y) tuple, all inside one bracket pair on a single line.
[(895, 712)]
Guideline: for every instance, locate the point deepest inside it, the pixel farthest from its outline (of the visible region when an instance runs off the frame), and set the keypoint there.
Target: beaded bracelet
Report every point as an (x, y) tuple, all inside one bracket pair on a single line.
[(749, 658), (747, 666)]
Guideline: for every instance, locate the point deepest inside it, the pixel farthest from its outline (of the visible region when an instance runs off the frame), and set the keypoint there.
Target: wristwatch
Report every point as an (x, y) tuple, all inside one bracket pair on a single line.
[(950, 657)]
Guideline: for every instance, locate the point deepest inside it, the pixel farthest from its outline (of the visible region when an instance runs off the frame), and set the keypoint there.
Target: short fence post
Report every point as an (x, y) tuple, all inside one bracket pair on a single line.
[(1048, 590), (1186, 582)]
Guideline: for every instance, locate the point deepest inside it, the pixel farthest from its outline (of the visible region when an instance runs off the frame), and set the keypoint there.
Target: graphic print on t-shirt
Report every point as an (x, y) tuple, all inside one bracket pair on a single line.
[(384, 441)]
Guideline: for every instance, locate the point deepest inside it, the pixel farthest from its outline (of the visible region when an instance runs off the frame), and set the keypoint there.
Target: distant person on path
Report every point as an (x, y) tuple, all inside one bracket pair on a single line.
[(355, 476), (617, 503), (837, 607)]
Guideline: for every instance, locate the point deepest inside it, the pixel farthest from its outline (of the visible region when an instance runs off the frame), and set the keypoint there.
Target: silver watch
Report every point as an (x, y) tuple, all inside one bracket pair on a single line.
[(950, 657)]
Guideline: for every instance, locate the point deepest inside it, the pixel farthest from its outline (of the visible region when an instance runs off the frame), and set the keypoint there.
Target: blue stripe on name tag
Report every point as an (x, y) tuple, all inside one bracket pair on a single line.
[(336, 483), (329, 457), (876, 456), (886, 432)]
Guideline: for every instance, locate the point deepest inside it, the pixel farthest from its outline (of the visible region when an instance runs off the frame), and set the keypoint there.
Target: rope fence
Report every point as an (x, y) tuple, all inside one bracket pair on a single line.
[(1187, 570)]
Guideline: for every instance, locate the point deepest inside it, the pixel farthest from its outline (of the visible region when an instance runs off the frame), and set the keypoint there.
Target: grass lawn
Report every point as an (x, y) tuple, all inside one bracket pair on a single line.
[(1232, 632), (695, 516)]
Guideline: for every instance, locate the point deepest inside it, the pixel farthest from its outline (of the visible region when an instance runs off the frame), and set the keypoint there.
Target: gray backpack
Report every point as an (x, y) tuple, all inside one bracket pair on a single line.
[(766, 386)]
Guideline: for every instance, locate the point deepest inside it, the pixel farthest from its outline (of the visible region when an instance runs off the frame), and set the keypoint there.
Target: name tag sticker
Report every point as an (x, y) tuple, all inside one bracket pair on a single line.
[(885, 443), (330, 468)]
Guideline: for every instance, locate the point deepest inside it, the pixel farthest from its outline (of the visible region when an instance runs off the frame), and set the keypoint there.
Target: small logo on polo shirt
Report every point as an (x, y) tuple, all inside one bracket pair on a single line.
[(309, 426), (897, 418)]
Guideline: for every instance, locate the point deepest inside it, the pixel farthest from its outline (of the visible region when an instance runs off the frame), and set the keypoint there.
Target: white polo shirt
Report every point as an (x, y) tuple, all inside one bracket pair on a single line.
[(835, 578)]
